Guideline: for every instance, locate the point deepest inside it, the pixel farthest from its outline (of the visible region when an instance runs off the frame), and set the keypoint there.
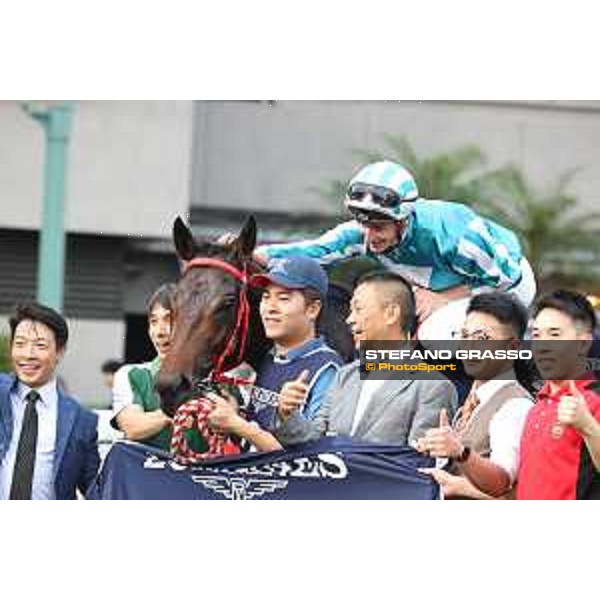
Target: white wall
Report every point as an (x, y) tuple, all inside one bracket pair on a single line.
[(128, 167), (91, 342), (252, 155)]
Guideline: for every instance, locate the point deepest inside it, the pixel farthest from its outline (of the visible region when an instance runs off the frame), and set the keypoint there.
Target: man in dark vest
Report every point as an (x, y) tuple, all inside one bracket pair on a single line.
[(483, 443)]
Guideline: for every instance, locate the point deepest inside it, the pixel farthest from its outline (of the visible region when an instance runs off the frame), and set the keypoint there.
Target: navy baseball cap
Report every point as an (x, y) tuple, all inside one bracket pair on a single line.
[(294, 273)]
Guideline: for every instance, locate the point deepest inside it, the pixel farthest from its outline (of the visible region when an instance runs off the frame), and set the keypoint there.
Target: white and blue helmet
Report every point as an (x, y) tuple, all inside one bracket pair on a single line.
[(381, 191)]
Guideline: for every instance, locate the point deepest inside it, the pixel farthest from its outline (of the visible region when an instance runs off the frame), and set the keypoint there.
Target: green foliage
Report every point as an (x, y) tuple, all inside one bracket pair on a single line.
[(5, 365), (561, 242), (448, 175)]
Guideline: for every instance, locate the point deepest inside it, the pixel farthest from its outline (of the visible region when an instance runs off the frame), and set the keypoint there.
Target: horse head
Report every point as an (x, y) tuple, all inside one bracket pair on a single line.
[(216, 324)]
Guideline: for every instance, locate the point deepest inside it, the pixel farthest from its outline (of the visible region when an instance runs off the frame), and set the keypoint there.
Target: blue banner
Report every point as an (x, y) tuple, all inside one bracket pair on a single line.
[(329, 469)]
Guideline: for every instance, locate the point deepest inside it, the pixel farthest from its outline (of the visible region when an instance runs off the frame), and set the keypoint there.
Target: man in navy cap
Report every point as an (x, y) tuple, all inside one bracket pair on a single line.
[(300, 369), (300, 363)]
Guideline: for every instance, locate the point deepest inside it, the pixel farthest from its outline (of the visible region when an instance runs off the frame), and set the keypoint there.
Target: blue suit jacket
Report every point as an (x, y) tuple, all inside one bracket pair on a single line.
[(76, 459)]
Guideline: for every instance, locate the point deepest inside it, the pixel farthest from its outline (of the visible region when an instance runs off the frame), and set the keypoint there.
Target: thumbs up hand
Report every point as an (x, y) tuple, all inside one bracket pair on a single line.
[(573, 410), (441, 441), (444, 422), (292, 396)]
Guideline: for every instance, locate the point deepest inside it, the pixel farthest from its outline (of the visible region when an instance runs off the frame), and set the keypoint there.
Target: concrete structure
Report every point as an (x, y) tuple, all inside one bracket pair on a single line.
[(134, 166)]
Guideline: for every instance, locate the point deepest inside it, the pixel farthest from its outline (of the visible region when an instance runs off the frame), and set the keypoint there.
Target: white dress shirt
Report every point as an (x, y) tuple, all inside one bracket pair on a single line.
[(506, 426), (47, 410)]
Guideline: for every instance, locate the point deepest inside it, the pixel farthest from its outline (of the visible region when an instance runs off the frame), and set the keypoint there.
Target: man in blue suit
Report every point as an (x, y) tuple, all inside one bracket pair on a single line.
[(48, 442)]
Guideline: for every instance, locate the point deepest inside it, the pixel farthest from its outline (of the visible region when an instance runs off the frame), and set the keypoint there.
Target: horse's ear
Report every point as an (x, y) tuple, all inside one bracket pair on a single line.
[(246, 240), (185, 244)]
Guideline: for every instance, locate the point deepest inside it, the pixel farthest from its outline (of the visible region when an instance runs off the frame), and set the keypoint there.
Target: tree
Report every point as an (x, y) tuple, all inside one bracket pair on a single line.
[(561, 243), (5, 364), (448, 175)]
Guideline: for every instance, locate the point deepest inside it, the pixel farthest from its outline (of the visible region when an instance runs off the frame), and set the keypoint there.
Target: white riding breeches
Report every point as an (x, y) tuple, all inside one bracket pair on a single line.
[(442, 322)]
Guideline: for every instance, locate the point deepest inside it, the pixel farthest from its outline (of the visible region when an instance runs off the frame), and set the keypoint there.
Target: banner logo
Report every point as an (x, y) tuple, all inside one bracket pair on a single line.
[(238, 488)]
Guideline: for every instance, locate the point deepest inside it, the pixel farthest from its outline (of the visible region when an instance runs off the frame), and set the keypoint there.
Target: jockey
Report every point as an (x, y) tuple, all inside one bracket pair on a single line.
[(445, 249)]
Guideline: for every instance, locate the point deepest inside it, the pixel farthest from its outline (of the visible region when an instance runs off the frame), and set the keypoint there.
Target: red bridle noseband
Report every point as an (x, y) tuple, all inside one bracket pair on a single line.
[(239, 335)]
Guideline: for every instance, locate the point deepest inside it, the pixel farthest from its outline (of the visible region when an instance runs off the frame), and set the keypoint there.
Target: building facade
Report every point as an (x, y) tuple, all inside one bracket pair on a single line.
[(135, 166)]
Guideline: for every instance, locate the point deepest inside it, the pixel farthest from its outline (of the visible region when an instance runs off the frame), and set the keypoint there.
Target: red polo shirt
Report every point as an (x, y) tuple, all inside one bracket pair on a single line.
[(554, 461)]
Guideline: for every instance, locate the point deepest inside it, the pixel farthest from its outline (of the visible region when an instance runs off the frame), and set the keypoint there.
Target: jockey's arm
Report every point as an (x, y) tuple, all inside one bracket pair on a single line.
[(341, 242), (138, 425)]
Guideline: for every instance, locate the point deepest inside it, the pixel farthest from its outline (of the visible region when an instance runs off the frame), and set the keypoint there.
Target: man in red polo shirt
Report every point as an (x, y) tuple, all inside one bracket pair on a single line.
[(560, 446)]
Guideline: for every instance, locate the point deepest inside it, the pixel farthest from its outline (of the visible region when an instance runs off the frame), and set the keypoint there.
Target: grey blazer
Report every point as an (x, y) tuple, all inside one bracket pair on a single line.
[(399, 412)]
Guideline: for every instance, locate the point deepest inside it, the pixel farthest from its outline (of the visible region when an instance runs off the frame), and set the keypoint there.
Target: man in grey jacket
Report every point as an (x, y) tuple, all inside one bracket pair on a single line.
[(392, 412)]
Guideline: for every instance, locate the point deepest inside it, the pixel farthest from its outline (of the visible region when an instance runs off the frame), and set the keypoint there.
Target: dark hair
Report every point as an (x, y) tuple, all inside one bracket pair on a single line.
[(111, 366), (312, 295), (570, 303), (163, 296), (401, 293), (502, 306), (32, 311)]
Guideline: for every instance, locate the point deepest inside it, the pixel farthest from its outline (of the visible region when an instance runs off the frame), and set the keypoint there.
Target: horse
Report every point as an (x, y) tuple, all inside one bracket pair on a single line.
[(216, 320)]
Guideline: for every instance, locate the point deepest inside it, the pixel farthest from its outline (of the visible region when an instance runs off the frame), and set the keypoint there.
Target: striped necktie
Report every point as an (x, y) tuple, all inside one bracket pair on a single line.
[(25, 460), (468, 408)]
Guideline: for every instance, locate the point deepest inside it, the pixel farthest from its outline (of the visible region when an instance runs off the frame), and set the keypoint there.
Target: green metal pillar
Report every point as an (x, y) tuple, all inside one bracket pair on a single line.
[(56, 121)]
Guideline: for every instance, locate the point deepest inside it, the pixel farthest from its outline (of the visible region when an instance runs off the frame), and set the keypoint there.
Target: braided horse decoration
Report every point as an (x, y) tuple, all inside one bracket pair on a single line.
[(216, 327)]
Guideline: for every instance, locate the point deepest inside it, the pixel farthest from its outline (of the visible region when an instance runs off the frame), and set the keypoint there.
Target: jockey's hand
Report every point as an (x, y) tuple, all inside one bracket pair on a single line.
[(229, 238), (224, 418), (226, 239), (292, 396), (441, 441), (450, 485), (428, 302)]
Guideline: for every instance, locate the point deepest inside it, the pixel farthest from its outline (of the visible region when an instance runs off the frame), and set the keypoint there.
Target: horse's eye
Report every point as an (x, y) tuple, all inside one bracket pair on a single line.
[(227, 303), (229, 300)]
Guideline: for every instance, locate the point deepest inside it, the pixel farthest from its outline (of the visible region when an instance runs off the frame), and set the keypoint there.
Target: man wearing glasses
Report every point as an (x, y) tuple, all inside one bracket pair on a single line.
[(482, 443), (446, 250)]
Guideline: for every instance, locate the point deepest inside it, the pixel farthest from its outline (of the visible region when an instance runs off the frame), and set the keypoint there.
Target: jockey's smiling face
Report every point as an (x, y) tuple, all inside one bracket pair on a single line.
[(160, 328), (381, 235)]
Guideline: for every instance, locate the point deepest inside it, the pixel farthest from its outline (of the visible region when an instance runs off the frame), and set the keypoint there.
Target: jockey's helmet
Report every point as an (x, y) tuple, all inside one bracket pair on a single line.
[(381, 191)]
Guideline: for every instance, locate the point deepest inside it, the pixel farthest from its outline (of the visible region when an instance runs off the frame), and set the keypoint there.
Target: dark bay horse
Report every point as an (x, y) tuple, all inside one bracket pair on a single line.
[(216, 319), (211, 295)]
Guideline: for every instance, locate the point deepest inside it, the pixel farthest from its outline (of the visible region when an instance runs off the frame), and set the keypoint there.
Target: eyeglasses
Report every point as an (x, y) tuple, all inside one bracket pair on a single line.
[(381, 196), (477, 335)]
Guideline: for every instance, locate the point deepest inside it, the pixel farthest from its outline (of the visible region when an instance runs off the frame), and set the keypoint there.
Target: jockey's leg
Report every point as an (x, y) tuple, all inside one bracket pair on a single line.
[(526, 289), (442, 322)]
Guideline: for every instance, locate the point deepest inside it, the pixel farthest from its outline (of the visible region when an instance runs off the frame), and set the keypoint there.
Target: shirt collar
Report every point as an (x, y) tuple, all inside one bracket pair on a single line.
[(487, 389), (294, 353), (48, 392), (155, 366), (581, 385)]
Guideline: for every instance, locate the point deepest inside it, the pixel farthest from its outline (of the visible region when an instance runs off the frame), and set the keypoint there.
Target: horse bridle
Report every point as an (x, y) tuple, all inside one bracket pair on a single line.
[(239, 335)]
